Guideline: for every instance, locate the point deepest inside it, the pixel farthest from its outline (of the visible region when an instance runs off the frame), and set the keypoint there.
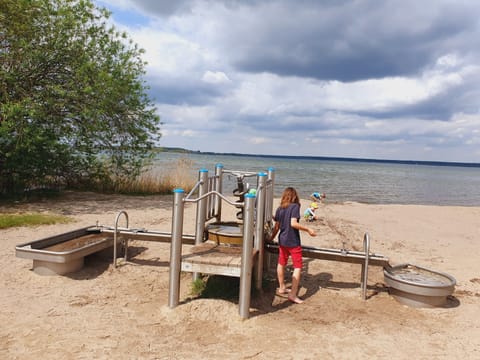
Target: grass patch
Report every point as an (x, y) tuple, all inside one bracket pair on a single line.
[(198, 286), (31, 219)]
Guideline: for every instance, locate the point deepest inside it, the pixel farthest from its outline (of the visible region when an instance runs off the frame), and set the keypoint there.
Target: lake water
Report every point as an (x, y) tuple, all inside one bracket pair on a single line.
[(342, 180)]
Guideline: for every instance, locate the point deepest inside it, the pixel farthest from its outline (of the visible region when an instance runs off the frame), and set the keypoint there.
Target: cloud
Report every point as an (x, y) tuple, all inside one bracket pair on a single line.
[(345, 41), (347, 78), (212, 77)]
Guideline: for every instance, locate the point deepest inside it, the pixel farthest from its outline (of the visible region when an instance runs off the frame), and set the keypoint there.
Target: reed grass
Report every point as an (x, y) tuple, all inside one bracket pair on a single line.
[(178, 174)]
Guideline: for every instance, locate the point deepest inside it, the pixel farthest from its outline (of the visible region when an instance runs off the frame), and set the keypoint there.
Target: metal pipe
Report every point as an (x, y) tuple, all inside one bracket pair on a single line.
[(236, 204), (270, 194), (201, 210), (366, 248), (246, 262), (176, 248), (259, 228), (115, 237), (201, 206), (218, 188), (352, 257), (268, 259), (240, 173), (211, 199), (199, 182)]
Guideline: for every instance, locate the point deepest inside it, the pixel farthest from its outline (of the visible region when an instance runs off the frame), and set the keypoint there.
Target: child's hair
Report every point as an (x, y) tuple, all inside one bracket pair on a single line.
[(289, 196)]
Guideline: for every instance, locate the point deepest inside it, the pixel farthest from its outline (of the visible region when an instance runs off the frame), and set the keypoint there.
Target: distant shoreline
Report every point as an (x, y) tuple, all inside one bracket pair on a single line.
[(328, 158)]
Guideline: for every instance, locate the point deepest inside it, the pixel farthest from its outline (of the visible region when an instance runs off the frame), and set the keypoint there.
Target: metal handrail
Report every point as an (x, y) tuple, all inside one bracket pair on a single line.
[(200, 182), (236, 204), (115, 237), (240, 173)]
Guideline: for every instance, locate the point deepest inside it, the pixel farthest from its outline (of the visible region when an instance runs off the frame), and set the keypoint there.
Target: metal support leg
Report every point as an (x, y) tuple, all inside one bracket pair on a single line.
[(176, 248), (259, 229), (201, 211), (364, 279), (247, 251), (218, 188)]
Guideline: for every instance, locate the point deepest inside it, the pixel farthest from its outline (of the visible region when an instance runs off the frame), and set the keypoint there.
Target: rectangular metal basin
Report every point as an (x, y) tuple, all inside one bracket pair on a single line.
[(64, 253)]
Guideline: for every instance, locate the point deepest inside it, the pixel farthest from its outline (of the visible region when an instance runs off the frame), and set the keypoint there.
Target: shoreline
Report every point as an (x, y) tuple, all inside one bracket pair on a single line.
[(371, 183), (123, 312)]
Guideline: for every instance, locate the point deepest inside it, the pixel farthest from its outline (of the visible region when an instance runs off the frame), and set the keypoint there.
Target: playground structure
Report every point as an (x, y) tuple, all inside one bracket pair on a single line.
[(229, 248), (217, 257)]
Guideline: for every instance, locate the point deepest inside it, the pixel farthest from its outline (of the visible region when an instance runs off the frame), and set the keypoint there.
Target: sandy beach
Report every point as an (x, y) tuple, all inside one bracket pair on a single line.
[(100, 312)]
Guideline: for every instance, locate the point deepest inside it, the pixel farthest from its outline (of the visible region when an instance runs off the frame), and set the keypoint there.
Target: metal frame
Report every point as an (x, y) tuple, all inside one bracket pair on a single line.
[(256, 211)]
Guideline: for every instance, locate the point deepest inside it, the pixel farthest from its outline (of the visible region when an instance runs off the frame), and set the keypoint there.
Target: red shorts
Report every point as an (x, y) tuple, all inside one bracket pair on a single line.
[(295, 252)]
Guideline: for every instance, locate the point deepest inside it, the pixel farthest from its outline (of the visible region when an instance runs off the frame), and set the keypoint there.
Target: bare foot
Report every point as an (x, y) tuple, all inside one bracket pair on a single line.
[(283, 291), (296, 300)]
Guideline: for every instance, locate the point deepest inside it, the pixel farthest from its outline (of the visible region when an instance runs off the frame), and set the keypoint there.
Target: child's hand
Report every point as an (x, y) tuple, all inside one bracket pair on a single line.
[(311, 232)]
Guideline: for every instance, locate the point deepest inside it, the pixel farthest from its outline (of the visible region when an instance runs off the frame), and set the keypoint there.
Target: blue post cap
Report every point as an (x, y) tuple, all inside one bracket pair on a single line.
[(178, 190), (219, 165), (261, 174), (271, 169), (250, 195), (203, 170)]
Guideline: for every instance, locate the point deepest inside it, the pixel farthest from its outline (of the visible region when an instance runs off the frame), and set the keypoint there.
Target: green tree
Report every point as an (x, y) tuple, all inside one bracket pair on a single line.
[(73, 102)]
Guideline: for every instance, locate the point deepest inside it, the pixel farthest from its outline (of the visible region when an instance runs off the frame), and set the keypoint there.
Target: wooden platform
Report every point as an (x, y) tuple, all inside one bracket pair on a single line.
[(212, 258)]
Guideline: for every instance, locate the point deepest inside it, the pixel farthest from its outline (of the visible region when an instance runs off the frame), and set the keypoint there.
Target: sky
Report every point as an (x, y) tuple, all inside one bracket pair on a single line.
[(391, 79)]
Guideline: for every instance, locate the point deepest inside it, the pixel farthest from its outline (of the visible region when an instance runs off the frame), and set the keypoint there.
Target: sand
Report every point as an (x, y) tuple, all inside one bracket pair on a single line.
[(100, 312)]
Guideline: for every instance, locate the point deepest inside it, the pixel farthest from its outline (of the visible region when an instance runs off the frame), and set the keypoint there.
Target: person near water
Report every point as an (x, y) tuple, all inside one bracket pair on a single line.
[(316, 196), (287, 226), (309, 214)]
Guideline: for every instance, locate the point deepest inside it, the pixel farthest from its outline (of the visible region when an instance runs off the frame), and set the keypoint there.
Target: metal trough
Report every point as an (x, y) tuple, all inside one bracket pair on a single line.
[(417, 286), (64, 253)]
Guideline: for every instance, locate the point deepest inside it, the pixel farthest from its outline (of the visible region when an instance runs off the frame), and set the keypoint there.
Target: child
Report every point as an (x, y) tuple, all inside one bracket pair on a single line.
[(309, 214), (316, 196), (286, 221)]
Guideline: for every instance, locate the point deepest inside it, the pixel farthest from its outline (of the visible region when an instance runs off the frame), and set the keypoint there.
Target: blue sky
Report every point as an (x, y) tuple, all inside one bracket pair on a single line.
[(349, 78)]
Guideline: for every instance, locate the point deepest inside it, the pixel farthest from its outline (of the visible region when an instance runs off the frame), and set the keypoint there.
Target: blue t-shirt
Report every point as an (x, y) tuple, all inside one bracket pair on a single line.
[(288, 236)]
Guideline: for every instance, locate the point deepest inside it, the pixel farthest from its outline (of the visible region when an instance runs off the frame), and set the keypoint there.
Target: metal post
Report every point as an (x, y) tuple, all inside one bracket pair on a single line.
[(201, 210), (364, 279), (270, 193), (115, 237), (247, 251), (270, 257), (259, 228), (201, 206), (176, 248), (218, 188)]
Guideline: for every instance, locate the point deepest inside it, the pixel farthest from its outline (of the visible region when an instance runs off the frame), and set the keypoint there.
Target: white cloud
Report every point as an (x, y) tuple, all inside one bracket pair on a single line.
[(218, 77)]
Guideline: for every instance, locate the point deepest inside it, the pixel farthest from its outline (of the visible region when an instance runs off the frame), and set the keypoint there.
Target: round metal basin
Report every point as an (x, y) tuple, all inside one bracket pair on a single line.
[(417, 286), (225, 233)]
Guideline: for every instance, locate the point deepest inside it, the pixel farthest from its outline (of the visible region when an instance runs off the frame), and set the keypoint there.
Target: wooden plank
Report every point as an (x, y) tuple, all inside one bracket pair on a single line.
[(212, 258), (211, 269)]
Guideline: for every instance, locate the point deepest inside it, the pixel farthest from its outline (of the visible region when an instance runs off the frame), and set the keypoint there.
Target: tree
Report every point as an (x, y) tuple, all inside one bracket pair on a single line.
[(73, 102)]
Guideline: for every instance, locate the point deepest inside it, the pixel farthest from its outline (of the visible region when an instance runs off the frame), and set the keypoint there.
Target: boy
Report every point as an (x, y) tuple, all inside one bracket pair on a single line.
[(316, 196), (309, 214)]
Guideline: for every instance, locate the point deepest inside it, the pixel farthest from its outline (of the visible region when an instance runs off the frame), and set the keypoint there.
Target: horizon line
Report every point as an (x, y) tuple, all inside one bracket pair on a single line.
[(332, 158)]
